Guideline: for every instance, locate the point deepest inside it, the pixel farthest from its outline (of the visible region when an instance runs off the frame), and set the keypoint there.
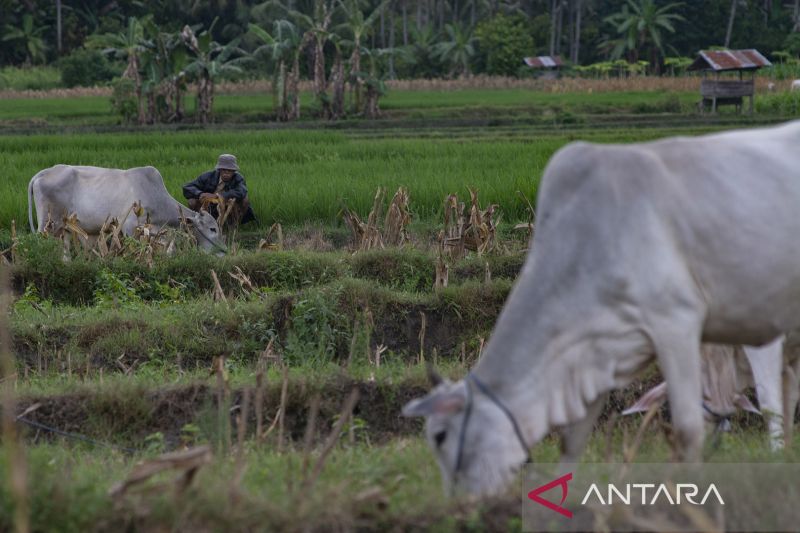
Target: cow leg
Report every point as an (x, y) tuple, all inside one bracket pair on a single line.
[(791, 391), (678, 353), (575, 435), (766, 363)]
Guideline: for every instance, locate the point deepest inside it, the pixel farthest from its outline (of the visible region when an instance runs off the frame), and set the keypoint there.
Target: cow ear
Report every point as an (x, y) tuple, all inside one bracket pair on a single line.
[(438, 402), (654, 396)]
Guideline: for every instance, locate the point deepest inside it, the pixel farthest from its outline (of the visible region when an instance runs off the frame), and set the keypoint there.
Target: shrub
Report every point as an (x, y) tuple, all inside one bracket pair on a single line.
[(31, 78), (784, 104), (123, 100), (503, 42), (792, 44), (85, 68)]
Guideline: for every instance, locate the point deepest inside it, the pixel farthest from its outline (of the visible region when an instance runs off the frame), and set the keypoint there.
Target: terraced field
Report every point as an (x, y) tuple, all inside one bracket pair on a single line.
[(119, 361)]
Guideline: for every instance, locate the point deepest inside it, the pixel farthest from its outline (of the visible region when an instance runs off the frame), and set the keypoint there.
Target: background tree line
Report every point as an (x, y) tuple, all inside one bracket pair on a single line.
[(348, 48), (583, 31)]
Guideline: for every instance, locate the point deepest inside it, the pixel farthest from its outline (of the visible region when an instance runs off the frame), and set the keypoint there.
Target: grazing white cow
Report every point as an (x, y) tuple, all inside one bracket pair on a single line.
[(641, 251), (95, 194), (796, 85)]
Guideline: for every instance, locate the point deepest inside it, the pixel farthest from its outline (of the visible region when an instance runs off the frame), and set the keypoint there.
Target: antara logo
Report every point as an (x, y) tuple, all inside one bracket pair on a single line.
[(683, 492), (562, 482)]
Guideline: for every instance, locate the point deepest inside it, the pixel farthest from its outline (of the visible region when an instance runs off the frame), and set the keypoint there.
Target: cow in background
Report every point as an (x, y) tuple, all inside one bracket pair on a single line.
[(95, 194)]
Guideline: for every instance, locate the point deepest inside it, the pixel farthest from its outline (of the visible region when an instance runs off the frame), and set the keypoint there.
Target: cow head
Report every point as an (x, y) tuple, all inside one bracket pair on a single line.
[(206, 231), (472, 440)]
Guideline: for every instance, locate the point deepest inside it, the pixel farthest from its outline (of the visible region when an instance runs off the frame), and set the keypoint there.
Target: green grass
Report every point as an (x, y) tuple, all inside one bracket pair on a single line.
[(69, 484), (298, 176), (35, 78), (97, 109), (72, 483), (294, 176), (318, 325), (505, 98)]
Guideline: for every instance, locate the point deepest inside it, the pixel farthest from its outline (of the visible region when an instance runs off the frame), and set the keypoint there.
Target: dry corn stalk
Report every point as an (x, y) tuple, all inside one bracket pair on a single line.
[(12, 250), (187, 462), (452, 237), (225, 209), (330, 442), (243, 279), (76, 233), (218, 294), (395, 232), (480, 230), (475, 231), (366, 235), (442, 269), (531, 212), (49, 225), (275, 231)]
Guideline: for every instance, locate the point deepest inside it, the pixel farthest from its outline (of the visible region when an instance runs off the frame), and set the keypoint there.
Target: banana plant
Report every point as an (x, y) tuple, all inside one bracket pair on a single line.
[(127, 45), (283, 47), (164, 63), (358, 27), (210, 62)]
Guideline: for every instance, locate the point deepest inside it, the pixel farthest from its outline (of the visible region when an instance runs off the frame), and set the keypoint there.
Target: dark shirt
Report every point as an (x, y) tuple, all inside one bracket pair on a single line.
[(208, 181)]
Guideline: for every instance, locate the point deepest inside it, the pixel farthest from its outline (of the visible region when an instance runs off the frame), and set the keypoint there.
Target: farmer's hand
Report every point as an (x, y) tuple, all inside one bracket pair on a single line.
[(208, 195)]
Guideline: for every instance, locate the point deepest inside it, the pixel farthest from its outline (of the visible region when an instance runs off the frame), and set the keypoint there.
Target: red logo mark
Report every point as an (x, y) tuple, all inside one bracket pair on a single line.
[(562, 482)]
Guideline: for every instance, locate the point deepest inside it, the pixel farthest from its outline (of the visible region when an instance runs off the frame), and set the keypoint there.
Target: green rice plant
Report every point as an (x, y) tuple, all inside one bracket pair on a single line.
[(298, 176), (29, 78), (239, 108)]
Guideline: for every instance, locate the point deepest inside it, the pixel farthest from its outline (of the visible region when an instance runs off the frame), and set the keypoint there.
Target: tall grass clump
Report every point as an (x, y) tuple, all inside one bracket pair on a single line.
[(31, 78), (786, 104)]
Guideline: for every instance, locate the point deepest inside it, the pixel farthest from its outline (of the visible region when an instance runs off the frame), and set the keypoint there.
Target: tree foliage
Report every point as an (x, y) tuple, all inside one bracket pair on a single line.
[(504, 41)]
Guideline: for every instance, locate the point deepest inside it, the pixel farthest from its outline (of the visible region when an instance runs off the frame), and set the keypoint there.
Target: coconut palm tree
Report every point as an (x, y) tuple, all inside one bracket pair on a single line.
[(318, 32), (29, 38), (357, 27), (731, 18), (640, 24), (457, 49), (421, 53)]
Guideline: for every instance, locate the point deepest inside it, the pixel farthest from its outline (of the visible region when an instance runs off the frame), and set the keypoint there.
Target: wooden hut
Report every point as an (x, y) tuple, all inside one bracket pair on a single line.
[(548, 65), (717, 90)]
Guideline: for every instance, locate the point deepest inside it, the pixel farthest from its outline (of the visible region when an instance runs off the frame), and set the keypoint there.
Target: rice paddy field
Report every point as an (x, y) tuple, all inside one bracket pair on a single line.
[(273, 378)]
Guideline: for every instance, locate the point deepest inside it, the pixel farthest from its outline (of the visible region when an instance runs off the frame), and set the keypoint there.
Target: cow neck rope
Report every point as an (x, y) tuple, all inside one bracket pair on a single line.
[(468, 413)]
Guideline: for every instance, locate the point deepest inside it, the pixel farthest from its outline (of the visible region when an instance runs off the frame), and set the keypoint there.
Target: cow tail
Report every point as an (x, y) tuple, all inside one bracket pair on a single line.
[(30, 203)]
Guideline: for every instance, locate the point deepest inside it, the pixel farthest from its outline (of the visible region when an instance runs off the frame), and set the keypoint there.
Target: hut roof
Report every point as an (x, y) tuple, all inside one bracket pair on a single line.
[(720, 60), (543, 61)]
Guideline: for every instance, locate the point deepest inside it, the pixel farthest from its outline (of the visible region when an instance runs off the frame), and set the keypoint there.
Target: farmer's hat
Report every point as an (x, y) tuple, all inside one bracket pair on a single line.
[(227, 162)]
